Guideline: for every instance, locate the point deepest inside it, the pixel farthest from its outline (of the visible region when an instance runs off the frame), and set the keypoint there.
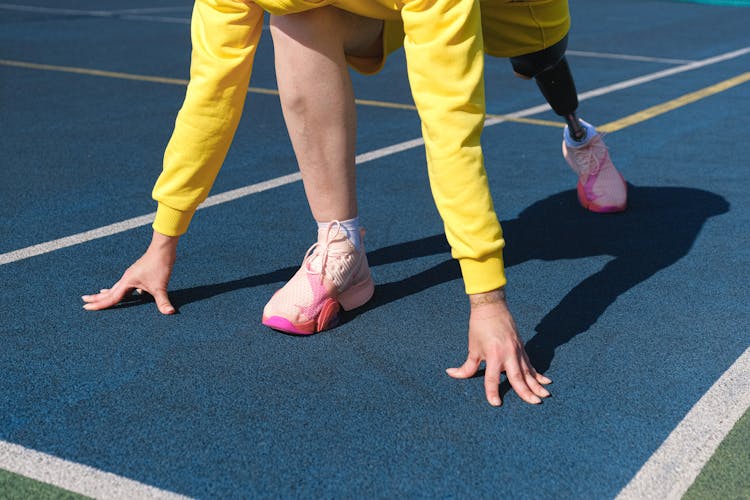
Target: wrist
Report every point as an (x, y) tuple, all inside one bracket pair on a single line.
[(162, 243), (492, 297)]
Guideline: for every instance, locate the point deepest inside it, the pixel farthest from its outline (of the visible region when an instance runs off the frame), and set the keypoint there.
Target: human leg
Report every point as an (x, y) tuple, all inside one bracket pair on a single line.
[(317, 100), (318, 105)]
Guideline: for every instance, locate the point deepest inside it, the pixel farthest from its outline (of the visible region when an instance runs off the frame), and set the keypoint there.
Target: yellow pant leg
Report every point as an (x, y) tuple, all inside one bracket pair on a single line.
[(517, 27)]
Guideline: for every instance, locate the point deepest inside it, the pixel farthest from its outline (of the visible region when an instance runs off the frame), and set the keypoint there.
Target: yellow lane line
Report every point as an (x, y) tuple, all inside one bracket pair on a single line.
[(684, 100), (115, 74), (411, 107), (93, 72), (383, 104), (253, 90), (530, 121)]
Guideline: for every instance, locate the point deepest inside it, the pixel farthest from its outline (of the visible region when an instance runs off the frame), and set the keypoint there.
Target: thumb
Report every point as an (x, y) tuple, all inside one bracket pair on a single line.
[(467, 370)]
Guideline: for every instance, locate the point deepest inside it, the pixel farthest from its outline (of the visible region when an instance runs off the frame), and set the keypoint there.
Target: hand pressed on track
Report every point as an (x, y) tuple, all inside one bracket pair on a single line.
[(150, 273), (493, 338)]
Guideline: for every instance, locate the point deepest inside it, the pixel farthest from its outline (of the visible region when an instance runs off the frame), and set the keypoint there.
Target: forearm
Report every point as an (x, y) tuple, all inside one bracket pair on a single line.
[(224, 35), (443, 37)]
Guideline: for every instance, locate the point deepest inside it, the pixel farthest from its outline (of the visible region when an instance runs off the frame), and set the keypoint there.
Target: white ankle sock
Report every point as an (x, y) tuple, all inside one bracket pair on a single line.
[(350, 228)]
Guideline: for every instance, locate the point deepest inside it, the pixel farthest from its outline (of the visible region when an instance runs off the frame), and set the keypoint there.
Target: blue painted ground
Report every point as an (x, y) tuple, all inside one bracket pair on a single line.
[(633, 316)]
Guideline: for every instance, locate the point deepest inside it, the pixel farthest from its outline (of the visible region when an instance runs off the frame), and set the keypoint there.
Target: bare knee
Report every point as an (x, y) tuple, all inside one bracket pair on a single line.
[(329, 29), (321, 27)]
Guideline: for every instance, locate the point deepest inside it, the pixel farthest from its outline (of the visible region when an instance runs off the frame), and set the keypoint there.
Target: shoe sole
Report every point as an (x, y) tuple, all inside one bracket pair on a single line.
[(593, 207), (352, 298)]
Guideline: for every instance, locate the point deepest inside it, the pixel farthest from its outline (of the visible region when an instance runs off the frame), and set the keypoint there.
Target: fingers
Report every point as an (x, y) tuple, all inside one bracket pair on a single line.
[(162, 302), (111, 297), (522, 377), (106, 297), (535, 386), (492, 382), (542, 379), (518, 382), (535, 380), (467, 370)]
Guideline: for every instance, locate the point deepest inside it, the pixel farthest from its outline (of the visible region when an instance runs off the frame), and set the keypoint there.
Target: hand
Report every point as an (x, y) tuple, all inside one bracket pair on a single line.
[(493, 338), (150, 273)]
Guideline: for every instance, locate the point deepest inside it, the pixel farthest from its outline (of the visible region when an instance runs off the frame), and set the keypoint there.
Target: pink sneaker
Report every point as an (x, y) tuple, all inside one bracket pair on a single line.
[(333, 274), (601, 188)]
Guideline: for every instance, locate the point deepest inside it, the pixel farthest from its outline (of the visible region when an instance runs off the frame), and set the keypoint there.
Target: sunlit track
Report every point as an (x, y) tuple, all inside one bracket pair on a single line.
[(50, 246), (128, 385), (252, 90), (78, 478), (127, 14), (674, 466)]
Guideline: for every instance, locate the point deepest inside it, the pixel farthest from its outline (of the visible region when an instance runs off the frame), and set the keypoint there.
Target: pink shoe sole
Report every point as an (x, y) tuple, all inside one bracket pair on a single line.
[(593, 206), (352, 298), (328, 318)]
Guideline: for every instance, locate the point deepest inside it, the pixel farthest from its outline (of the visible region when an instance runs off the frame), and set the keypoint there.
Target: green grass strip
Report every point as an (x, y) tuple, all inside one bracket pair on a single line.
[(15, 487), (727, 474)]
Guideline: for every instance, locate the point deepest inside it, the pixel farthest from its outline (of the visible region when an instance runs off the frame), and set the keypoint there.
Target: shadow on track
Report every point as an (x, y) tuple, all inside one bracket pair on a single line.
[(659, 227)]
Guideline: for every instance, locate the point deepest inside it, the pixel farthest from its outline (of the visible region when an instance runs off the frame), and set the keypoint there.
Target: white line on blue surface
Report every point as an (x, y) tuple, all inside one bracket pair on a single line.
[(712, 416), (129, 14), (626, 57), (671, 470), (74, 477), (118, 227)]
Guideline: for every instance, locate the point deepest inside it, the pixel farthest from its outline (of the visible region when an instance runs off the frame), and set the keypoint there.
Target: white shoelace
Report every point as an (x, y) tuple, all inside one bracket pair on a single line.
[(323, 250)]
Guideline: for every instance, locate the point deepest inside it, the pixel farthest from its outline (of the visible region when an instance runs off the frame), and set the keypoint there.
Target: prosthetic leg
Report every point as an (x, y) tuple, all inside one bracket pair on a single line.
[(600, 188), (553, 77)]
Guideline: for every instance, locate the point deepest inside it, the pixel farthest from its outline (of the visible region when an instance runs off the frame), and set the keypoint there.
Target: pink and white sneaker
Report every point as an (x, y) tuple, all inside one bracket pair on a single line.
[(601, 188), (334, 275)]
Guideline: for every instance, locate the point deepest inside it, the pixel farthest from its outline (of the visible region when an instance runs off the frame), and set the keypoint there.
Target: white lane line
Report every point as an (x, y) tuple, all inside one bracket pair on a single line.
[(127, 14), (75, 477), (664, 73), (633, 82), (140, 221), (50, 246), (54, 10), (735, 377), (671, 470), (151, 10), (626, 57), (154, 19)]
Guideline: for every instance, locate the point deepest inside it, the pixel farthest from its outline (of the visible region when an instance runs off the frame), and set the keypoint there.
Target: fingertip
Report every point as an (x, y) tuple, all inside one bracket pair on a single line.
[(495, 401), (167, 309)]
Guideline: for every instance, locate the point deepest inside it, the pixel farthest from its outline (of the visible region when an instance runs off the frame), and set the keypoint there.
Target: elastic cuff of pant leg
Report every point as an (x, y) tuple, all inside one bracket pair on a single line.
[(170, 221), (482, 276)]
